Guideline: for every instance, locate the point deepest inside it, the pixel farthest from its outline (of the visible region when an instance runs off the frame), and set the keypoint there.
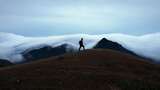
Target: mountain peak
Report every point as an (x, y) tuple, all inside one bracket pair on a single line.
[(104, 39), (107, 44)]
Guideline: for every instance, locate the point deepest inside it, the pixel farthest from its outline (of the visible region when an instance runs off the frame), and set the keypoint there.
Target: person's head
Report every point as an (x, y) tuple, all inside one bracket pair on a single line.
[(82, 39)]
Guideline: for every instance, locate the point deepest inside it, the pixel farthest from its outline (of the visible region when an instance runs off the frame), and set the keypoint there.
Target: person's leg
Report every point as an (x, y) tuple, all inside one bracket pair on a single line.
[(83, 47), (79, 48)]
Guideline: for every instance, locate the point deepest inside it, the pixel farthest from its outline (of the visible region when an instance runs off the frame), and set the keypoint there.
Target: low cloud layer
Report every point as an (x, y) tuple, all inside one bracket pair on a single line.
[(13, 45)]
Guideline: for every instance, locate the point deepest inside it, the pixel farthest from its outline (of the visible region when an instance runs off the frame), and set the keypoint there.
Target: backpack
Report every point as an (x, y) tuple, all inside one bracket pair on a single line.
[(80, 42)]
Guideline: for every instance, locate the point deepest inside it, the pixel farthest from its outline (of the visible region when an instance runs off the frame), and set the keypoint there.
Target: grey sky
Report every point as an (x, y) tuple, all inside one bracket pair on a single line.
[(54, 17)]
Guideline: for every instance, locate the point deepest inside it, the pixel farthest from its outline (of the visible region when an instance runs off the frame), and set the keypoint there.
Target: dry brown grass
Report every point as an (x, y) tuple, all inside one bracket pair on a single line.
[(87, 70)]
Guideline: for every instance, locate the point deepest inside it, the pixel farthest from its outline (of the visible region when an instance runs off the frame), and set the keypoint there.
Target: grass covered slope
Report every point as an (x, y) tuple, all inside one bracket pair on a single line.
[(86, 70)]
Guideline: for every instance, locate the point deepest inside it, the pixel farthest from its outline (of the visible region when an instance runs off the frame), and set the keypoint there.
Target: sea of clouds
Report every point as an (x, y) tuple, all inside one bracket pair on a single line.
[(11, 45)]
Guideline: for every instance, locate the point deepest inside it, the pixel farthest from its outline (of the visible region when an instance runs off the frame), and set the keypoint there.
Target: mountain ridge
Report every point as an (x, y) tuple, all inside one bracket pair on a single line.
[(108, 44), (46, 52)]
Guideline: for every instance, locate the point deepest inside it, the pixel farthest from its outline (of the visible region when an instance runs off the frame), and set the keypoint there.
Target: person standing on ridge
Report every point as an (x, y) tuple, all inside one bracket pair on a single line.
[(81, 45)]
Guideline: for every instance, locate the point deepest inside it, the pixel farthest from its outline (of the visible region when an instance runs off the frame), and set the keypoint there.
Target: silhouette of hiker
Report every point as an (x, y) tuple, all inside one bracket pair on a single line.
[(81, 45)]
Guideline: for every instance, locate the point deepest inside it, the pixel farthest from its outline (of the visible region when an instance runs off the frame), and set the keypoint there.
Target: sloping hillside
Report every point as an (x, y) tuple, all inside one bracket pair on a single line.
[(86, 70), (108, 44), (4, 63), (46, 52)]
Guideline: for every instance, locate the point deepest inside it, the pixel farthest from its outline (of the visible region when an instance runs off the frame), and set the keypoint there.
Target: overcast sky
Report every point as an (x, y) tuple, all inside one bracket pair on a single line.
[(58, 17)]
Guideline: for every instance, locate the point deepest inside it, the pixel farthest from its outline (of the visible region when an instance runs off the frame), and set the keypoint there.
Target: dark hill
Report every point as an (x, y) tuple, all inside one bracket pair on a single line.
[(86, 70), (107, 44), (46, 51), (4, 63)]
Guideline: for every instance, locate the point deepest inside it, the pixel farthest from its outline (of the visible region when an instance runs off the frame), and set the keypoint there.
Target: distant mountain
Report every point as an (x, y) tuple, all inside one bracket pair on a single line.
[(4, 63), (47, 51), (107, 44)]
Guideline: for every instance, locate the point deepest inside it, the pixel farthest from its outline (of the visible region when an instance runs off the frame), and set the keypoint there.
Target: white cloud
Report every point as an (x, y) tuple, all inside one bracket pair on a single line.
[(12, 45)]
